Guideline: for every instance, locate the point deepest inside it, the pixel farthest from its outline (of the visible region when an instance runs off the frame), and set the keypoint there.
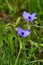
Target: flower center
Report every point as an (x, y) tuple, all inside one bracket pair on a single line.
[(22, 33), (29, 17)]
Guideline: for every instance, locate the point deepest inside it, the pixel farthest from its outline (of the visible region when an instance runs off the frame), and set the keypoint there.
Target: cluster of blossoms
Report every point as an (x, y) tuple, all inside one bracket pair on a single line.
[(29, 17)]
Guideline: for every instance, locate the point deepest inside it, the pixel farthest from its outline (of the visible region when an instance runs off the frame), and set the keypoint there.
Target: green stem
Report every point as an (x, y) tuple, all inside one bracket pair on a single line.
[(18, 56), (41, 60), (37, 26), (35, 43)]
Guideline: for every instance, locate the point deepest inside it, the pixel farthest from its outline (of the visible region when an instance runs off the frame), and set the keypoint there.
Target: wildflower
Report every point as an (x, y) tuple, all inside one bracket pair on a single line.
[(29, 17), (23, 33)]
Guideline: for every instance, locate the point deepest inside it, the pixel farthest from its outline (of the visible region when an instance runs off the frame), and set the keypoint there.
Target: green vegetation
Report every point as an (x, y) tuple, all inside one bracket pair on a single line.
[(16, 50)]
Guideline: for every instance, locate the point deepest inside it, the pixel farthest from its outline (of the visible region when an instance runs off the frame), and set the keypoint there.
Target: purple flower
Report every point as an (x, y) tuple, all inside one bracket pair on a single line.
[(23, 33), (29, 17)]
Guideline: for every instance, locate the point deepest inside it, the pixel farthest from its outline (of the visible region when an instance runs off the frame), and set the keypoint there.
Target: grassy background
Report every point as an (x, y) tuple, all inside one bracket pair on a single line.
[(16, 50)]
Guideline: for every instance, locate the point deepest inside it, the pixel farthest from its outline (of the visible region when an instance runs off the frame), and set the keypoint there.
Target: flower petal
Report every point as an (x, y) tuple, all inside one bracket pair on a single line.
[(23, 33), (33, 16), (27, 32), (26, 15), (20, 31)]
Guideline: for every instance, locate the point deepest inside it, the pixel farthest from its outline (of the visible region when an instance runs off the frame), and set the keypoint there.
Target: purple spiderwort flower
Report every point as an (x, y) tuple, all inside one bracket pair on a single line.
[(29, 17), (23, 33)]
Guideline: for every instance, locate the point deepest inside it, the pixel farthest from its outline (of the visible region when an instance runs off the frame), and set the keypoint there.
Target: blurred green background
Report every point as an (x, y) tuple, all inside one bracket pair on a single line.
[(16, 50)]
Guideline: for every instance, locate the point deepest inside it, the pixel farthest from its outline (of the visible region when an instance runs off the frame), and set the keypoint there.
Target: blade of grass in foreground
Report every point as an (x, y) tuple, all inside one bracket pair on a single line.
[(8, 5)]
